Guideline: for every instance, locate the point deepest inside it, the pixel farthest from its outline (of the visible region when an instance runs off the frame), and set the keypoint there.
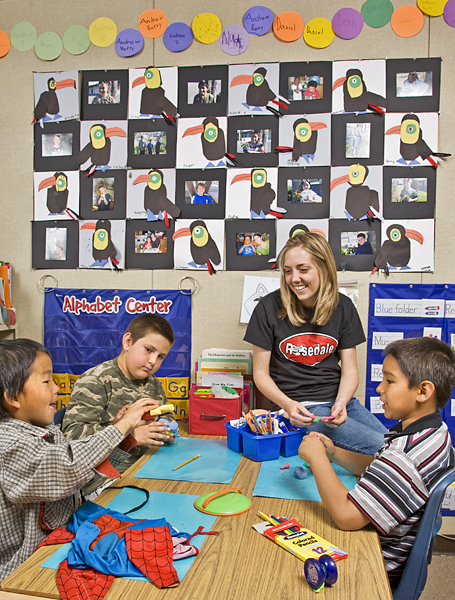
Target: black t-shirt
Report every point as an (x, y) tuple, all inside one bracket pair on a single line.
[(305, 360)]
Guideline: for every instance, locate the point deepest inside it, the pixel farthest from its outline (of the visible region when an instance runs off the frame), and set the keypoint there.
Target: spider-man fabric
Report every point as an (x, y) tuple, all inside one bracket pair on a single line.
[(108, 544)]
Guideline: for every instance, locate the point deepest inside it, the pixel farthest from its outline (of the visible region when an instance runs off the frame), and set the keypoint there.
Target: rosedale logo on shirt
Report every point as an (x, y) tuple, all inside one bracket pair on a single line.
[(308, 348)]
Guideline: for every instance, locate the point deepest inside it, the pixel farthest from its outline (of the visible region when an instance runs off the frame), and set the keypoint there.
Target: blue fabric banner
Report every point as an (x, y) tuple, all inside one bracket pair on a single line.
[(83, 328)]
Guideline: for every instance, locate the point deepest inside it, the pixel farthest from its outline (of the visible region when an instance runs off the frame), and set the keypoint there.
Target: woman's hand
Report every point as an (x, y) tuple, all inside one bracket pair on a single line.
[(339, 412), (298, 414)]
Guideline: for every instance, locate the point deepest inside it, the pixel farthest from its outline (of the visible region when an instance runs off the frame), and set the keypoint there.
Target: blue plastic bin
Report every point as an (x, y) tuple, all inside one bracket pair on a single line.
[(264, 447)]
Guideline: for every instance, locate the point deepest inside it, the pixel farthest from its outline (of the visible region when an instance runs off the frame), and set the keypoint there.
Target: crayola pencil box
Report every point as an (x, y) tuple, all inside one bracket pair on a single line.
[(302, 542)]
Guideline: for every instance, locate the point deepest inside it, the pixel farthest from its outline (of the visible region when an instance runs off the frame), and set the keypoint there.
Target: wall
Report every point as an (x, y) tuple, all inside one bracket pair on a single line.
[(216, 305)]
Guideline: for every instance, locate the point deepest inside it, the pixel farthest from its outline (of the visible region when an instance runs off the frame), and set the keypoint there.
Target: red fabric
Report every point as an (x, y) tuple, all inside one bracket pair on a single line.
[(107, 524), (59, 536), (150, 550), (82, 584)]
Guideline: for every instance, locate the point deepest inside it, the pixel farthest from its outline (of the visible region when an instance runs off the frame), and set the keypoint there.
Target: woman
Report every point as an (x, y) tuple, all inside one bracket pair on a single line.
[(304, 357)]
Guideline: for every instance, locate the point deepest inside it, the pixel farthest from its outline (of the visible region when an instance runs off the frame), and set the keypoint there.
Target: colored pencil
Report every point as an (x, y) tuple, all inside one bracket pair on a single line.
[(186, 462)]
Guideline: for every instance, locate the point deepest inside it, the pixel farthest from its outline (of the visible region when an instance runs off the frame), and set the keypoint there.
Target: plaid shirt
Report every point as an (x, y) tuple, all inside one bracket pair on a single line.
[(41, 474)]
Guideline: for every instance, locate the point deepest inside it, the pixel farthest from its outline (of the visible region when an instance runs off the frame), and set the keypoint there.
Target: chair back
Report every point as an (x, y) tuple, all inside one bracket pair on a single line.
[(415, 572), (58, 417)]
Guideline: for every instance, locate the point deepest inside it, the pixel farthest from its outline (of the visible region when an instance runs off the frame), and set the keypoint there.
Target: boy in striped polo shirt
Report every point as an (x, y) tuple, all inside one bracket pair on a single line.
[(395, 483)]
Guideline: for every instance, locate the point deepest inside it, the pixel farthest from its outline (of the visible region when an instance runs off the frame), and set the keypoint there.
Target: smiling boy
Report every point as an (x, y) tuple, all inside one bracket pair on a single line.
[(100, 392), (41, 473), (395, 484)]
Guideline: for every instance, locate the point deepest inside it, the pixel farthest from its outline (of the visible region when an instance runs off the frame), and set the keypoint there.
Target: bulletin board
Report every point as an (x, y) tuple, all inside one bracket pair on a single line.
[(192, 167)]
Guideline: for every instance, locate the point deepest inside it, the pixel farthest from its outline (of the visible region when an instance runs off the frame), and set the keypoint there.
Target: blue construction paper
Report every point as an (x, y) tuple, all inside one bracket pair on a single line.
[(273, 482), (177, 509), (217, 464)]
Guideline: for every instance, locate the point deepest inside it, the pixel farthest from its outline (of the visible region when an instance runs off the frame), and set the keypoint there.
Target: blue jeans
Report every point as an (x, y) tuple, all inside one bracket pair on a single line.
[(362, 432)]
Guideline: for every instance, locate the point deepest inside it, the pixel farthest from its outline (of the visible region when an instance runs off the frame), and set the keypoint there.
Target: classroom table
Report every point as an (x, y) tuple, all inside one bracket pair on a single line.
[(239, 563)]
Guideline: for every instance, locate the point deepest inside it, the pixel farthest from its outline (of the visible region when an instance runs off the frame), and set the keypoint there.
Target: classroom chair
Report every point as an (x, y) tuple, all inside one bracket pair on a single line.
[(415, 573), (58, 417)]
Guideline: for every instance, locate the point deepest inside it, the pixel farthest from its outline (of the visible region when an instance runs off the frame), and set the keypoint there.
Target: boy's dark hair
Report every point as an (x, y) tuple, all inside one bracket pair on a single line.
[(426, 359), (147, 323), (16, 360)]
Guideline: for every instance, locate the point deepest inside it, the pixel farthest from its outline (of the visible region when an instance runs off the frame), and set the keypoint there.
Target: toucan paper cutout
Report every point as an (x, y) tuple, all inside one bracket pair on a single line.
[(136, 191), (361, 201), (56, 195), (153, 92), (102, 244), (406, 246), (102, 152), (157, 205), (202, 251), (305, 140), (252, 90), (202, 143), (286, 228), (56, 96), (413, 149), (350, 91), (257, 185)]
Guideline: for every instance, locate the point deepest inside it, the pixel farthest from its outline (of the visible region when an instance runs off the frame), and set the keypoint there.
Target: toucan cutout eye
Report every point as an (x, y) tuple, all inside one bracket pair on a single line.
[(395, 235), (98, 134), (258, 79), (198, 232), (355, 81)]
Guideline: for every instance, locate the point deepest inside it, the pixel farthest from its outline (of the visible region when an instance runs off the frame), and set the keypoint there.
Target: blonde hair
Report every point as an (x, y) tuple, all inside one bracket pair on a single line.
[(327, 297)]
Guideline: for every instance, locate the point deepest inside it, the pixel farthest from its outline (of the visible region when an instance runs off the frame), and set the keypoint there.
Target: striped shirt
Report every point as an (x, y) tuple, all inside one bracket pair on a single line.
[(393, 490)]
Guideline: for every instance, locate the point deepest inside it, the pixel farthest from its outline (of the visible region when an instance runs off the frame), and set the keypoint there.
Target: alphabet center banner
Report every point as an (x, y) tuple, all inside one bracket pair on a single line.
[(83, 328)]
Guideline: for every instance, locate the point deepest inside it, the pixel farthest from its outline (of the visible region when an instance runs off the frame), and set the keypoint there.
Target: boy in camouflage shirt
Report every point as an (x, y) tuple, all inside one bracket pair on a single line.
[(102, 391)]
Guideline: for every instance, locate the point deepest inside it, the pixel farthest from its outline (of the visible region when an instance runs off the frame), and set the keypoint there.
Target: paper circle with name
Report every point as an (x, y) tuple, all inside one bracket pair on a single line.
[(434, 8), (407, 21), (258, 20), (102, 32), (152, 23), (207, 28), (76, 40), (288, 26), (178, 37), (5, 44), (48, 46), (23, 36), (234, 40), (377, 13), (347, 23), (449, 13), (129, 42), (319, 33)]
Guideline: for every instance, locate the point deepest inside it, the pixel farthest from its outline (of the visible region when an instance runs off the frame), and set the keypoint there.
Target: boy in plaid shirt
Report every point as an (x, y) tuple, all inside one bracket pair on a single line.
[(41, 473)]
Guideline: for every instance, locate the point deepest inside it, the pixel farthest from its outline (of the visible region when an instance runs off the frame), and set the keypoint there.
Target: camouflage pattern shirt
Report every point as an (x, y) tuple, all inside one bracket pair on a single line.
[(100, 393)]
